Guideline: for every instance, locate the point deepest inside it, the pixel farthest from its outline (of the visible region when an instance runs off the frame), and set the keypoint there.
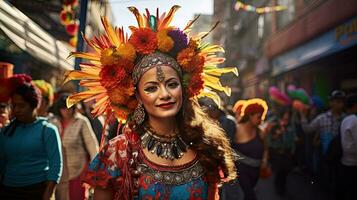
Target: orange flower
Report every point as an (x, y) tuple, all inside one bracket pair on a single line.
[(193, 43), (197, 63), (126, 51), (116, 96), (165, 43), (132, 104), (120, 112), (195, 85), (111, 75), (144, 40), (107, 56), (184, 58), (190, 60)]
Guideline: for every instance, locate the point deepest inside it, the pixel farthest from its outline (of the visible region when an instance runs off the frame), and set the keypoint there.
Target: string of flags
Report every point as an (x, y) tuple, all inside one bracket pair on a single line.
[(259, 10)]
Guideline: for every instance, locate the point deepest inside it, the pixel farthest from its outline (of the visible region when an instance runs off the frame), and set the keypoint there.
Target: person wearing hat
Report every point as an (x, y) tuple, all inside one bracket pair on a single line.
[(348, 169), (327, 126)]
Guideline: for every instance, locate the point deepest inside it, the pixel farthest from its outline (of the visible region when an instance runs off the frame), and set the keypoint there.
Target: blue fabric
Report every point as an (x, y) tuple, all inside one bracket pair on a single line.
[(32, 154), (194, 189)]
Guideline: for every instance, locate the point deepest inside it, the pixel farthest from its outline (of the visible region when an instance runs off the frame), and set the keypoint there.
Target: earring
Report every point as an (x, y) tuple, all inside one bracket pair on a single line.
[(139, 114)]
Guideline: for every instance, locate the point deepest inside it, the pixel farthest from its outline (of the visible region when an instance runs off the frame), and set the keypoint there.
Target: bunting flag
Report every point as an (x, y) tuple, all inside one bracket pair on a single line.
[(262, 10)]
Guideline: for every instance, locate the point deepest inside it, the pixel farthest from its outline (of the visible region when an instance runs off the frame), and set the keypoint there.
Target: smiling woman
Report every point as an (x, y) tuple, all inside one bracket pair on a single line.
[(168, 148)]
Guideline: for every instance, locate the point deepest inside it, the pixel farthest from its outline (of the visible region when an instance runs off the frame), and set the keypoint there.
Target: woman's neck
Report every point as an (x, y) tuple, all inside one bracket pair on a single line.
[(166, 126), (249, 127)]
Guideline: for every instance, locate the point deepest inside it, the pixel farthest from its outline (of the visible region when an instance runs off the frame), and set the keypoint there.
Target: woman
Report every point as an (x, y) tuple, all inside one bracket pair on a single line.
[(80, 146), (31, 146), (47, 93), (249, 145), (169, 149)]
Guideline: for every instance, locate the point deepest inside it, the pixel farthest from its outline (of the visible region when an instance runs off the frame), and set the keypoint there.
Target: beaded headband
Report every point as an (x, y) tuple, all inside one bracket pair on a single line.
[(156, 59)]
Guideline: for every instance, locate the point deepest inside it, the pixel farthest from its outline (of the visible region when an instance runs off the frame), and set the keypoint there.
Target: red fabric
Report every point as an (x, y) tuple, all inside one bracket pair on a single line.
[(76, 190)]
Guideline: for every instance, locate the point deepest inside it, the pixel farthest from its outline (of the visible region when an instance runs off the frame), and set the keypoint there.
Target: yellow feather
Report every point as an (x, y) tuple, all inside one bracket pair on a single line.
[(220, 71), (89, 56), (110, 32), (137, 15), (78, 75), (75, 98)]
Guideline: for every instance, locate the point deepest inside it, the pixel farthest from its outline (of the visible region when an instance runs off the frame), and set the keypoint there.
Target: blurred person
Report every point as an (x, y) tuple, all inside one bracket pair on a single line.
[(61, 192), (281, 140), (47, 98), (31, 163), (249, 143), (79, 143), (326, 126), (97, 123), (348, 169), (4, 115)]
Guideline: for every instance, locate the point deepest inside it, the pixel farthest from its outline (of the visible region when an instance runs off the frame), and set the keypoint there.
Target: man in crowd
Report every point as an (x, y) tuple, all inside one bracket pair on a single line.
[(348, 169)]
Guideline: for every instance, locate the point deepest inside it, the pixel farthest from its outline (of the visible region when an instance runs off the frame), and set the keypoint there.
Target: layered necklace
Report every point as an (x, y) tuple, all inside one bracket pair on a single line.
[(167, 147)]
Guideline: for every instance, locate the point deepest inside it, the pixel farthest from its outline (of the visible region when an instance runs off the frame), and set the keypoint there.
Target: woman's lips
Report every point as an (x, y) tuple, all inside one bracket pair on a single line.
[(166, 105)]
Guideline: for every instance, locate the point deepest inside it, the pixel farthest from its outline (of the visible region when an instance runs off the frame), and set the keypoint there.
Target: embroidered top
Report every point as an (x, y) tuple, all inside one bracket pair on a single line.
[(110, 169)]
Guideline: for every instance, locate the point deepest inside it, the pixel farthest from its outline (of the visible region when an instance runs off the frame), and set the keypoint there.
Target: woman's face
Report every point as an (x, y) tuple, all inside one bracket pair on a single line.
[(21, 109), (256, 119), (161, 99)]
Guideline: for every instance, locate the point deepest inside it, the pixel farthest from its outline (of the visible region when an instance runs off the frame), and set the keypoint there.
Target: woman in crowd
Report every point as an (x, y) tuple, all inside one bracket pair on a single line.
[(169, 149), (47, 93), (31, 147), (79, 144), (249, 145)]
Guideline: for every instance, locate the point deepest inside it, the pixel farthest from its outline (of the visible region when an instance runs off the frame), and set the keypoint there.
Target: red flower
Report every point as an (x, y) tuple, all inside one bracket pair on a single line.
[(111, 75), (144, 40), (195, 85)]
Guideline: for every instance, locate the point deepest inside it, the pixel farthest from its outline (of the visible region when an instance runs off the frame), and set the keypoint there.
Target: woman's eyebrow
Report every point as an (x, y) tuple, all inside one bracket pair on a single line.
[(170, 79)]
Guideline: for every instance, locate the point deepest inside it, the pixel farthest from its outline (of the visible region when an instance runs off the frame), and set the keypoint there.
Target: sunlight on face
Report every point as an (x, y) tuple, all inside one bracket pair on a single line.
[(160, 99)]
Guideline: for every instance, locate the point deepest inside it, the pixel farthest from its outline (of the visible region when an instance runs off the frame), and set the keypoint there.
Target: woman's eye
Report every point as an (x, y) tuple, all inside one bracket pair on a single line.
[(150, 89), (173, 84)]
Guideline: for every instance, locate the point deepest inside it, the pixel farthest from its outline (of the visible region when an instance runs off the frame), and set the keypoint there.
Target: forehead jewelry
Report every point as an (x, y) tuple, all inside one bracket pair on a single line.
[(160, 74)]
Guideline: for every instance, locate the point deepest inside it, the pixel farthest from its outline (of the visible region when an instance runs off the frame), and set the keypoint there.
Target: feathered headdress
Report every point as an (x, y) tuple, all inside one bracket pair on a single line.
[(109, 74)]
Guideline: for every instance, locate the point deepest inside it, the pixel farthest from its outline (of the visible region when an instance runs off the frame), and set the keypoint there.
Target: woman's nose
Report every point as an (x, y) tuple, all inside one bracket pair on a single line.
[(164, 94)]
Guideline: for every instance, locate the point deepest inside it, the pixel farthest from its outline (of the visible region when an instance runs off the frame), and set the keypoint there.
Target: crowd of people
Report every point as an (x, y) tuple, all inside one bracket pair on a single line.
[(320, 145), (151, 127)]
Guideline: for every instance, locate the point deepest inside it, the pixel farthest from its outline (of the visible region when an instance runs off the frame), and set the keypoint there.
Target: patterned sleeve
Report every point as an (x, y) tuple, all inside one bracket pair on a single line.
[(105, 170)]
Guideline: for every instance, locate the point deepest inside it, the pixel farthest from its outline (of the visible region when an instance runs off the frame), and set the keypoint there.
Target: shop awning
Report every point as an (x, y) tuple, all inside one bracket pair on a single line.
[(30, 37)]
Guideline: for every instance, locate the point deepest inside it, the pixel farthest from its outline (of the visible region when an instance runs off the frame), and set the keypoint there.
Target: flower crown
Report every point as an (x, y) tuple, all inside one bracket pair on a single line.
[(110, 74)]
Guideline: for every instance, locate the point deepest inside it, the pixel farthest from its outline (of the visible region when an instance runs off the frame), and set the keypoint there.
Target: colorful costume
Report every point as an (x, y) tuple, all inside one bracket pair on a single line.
[(114, 70)]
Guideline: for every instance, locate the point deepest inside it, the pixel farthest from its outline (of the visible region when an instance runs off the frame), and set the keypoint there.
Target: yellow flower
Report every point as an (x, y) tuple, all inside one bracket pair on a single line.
[(126, 51), (164, 42)]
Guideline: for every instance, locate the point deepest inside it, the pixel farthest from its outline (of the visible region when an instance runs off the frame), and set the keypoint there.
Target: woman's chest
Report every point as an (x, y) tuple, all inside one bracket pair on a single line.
[(180, 184)]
